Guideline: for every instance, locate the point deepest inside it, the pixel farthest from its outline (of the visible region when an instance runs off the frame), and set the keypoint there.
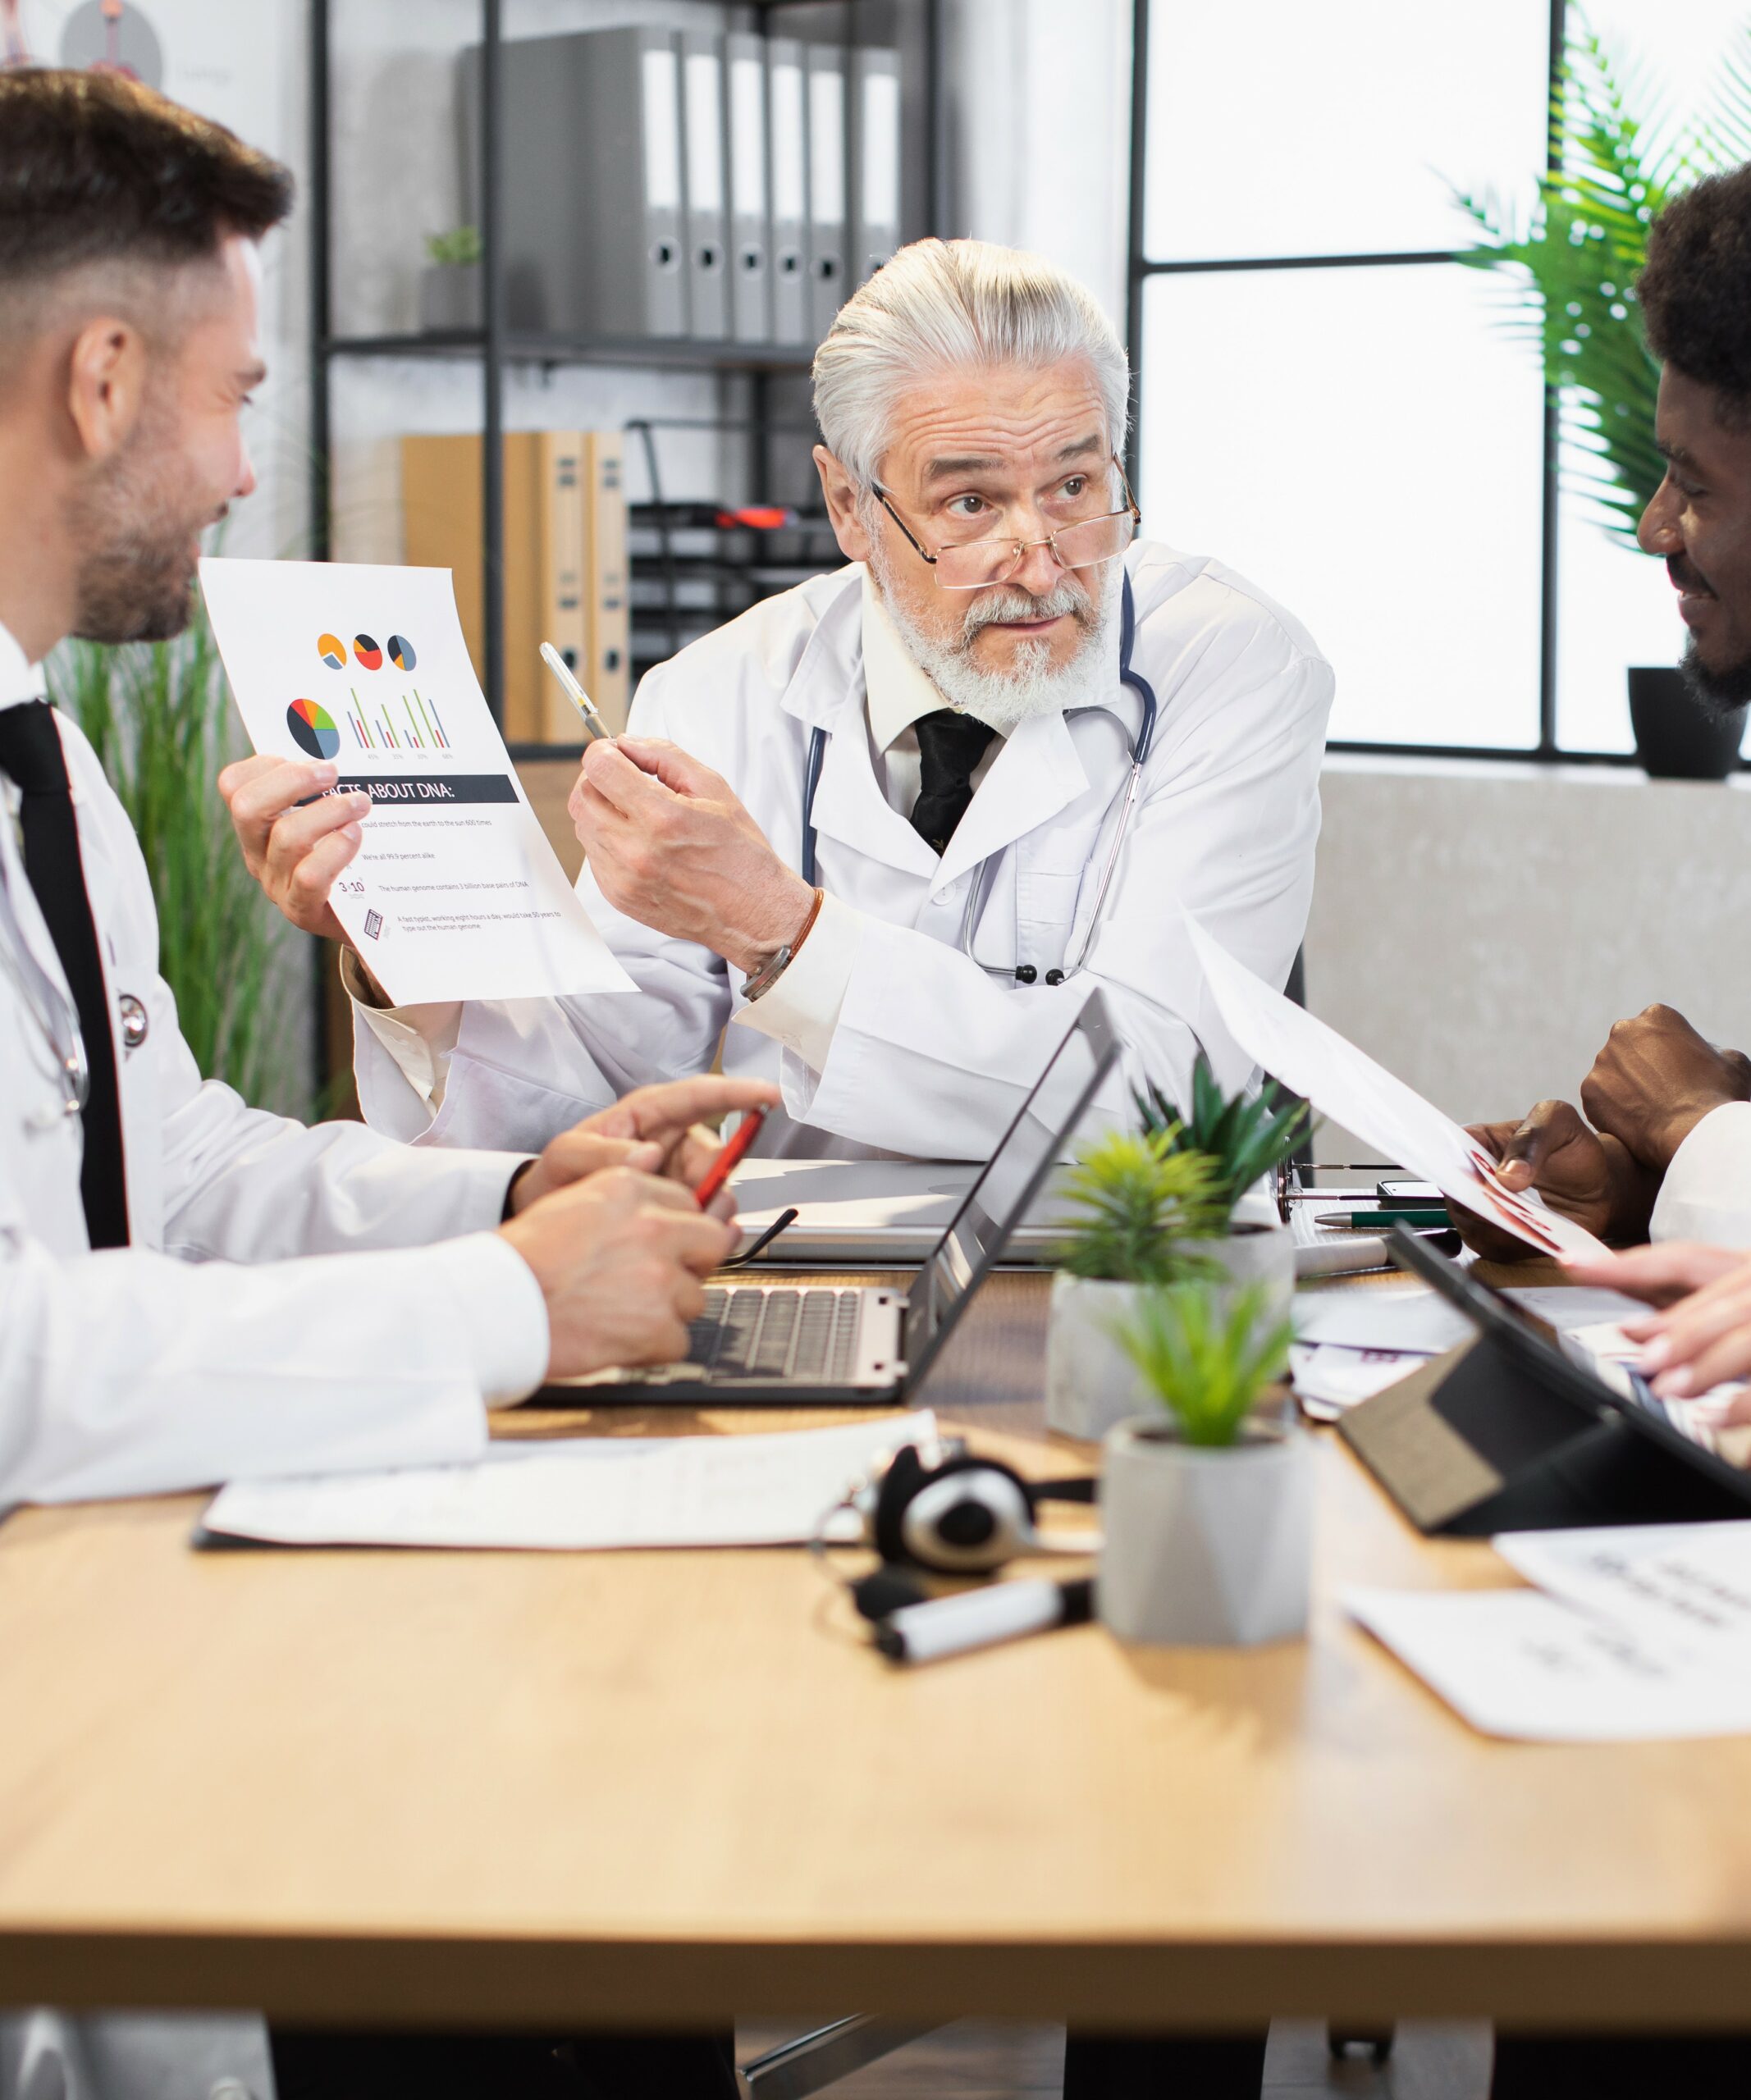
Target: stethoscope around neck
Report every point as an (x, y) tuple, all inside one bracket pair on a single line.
[(1024, 972)]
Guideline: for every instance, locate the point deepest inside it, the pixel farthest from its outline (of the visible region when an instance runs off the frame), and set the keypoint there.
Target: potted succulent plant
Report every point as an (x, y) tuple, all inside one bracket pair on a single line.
[(1206, 1505), (1135, 1201), (450, 284), (1245, 1137)]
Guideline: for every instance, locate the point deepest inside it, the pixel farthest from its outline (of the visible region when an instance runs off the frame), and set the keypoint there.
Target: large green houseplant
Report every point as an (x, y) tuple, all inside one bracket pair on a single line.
[(159, 717), (1570, 266)]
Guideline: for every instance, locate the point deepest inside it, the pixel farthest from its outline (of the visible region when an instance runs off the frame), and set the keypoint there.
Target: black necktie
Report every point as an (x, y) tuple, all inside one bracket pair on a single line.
[(950, 745), (30, 752)]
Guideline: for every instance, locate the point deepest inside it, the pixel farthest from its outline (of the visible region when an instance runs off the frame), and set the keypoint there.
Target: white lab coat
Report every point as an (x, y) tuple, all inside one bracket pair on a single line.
[(1706, 1194), (931, 1056), (159, 1366)]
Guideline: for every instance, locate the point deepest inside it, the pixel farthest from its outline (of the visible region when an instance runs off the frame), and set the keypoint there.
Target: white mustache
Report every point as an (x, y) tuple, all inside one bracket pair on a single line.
[(1003, 604)]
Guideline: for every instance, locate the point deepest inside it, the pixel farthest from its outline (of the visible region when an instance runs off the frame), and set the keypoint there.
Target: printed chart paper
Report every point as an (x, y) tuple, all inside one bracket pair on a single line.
[(590, 1492), (1343, 1083), (456, 892)]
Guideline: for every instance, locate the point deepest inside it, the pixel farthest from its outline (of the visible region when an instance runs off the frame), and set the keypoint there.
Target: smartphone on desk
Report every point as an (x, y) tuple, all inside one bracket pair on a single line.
[(1399, 1188)]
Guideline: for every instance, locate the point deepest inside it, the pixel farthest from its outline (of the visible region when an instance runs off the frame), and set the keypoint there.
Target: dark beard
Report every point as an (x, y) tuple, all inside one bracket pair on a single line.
[(136, 580), (1721, 692)]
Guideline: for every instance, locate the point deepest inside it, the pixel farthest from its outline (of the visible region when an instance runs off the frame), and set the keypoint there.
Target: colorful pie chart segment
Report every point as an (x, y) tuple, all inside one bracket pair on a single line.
[(313, 728), (401, 652), (370, 656), (332, 650)]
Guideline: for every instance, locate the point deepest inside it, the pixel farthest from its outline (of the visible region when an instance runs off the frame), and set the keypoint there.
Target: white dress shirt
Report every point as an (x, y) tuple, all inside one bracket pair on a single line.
[(244, 1331)]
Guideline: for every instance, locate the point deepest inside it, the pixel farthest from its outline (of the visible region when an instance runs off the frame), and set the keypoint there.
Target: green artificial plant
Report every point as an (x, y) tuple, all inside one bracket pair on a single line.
[(1135, 1201), (460, 245), (158, 716), (1243, 1137), (1204, 1356), (1573, 262)]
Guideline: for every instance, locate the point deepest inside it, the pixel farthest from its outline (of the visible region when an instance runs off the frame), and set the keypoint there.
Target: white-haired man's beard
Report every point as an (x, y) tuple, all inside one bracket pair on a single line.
[(1032, 685)]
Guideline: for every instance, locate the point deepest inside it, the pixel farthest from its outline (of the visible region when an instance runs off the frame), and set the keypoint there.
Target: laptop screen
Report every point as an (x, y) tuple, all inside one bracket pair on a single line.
[(997, 1200)]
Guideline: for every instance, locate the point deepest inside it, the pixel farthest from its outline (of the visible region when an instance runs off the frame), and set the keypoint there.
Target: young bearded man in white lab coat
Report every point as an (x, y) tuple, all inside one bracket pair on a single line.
[(135, 1355), (950, 712)]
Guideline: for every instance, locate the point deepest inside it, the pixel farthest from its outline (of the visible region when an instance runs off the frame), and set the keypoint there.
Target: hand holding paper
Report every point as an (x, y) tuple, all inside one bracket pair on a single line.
[(1340, 1081), (452, 891)]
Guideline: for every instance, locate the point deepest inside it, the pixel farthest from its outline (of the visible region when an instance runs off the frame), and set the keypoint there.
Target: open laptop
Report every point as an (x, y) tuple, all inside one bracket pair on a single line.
[(793, 1343)]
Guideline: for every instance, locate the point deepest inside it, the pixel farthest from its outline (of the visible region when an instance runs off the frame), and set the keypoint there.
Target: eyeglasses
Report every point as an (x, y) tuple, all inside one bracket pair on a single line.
[(976, 564)]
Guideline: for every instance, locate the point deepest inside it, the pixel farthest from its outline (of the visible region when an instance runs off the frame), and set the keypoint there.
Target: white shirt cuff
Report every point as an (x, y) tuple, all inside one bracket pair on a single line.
[(420, 1038), (1707, 1192), (802, 1010), (500, 1308)]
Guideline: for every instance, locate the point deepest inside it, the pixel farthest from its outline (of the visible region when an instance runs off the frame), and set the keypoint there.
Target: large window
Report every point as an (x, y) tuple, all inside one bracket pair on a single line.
[(1330, 403)]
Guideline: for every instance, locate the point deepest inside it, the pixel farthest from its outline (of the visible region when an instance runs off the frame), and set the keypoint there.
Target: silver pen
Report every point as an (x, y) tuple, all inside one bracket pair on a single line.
[(595, 728)]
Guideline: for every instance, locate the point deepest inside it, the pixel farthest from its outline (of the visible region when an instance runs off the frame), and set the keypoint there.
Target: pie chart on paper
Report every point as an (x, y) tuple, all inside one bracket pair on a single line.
[(313, 728), (369, 655), (401, 652), (332, 650)]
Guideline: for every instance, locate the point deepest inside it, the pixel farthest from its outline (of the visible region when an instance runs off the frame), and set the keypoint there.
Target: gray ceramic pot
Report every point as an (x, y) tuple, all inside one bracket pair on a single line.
[(449, 297), (1205, 1548)]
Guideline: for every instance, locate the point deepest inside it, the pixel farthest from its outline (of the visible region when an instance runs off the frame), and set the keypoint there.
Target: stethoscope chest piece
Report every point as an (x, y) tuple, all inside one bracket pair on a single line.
[(135, 1024)]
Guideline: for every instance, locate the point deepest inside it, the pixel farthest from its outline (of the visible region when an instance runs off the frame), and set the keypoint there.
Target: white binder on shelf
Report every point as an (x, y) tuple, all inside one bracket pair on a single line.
[(875, 161), (827, 186), (592, 231), (750, 225), (707, 203), (787, 186)]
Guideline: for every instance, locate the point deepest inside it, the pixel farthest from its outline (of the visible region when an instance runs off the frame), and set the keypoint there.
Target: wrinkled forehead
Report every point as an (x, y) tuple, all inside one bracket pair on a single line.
[(999, 422)]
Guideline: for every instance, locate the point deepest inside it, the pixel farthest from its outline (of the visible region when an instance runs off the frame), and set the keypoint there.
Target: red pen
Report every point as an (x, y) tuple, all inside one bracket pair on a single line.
[(731, 1157)]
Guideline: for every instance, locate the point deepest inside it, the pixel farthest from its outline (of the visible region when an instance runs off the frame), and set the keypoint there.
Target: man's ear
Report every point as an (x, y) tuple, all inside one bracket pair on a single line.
[(106, 384), (840, 493)]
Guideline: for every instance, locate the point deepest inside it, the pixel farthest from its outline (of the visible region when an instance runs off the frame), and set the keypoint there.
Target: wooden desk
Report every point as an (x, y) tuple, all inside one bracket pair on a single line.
[(495, 1789)]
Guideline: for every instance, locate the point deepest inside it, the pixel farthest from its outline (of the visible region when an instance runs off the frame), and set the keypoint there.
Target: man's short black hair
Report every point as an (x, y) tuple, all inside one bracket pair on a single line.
[(1695, 288), (96, 168)]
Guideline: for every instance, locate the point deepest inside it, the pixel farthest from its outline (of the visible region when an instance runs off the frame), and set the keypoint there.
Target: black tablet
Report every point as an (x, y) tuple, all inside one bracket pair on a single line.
[(1577, 1379)]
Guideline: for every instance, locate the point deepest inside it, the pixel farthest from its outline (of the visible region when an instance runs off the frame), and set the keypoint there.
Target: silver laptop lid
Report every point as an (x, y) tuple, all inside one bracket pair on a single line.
[(997, 1200)]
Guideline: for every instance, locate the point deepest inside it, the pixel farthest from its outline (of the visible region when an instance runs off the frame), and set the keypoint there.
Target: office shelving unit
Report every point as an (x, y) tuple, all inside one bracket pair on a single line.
[(496, 347)]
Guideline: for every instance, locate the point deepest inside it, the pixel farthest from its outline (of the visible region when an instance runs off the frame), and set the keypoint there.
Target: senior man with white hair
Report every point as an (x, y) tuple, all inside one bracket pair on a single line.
[(897, 823)]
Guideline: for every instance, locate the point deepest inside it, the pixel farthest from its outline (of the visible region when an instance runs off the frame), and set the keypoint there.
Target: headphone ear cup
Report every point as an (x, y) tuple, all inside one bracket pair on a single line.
[(906, 1474)]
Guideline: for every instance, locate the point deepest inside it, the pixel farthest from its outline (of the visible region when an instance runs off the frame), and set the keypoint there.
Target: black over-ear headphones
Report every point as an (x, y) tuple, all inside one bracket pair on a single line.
[(937, 1506)]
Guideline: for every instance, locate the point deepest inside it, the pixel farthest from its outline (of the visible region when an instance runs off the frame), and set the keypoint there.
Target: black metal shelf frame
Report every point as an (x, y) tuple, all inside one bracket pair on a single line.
[(1143, 267), (496, 346)]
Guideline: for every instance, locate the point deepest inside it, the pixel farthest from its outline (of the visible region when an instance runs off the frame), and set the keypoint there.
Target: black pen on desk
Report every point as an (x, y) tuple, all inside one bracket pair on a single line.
[(980, 1619), (595, 729)]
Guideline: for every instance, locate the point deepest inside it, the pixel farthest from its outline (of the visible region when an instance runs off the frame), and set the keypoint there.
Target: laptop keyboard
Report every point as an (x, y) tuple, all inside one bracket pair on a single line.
[(789, 1336)]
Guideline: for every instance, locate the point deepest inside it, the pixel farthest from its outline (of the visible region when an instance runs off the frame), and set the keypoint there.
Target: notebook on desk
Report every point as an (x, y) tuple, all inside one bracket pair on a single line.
[(794, 1344)]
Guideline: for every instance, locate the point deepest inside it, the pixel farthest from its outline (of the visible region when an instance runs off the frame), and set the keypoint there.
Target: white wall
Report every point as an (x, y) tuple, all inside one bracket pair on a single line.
[(1479, 928)]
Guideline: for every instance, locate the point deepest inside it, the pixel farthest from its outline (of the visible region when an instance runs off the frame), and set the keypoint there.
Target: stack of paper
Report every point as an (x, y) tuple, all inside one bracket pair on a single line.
[(586, 1492), (1635, 1632)]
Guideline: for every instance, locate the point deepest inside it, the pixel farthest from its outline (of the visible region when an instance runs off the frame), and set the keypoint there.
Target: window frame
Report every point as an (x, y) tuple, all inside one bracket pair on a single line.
[(1142, 267)]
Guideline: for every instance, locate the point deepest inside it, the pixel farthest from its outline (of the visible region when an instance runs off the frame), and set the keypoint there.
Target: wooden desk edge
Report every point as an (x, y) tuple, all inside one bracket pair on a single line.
[(508, 1982)]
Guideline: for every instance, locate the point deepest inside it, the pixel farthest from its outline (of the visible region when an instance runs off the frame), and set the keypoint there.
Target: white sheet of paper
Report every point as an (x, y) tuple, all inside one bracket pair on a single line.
[(592, 1492), (1567, 1307), (1412, 1317), (455, 892), (1688, 1585), (1342, 1082), (1518, 1663)]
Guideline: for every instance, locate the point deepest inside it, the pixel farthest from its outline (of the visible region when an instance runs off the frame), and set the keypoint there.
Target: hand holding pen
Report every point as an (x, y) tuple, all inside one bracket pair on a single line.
[(596, 729)]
